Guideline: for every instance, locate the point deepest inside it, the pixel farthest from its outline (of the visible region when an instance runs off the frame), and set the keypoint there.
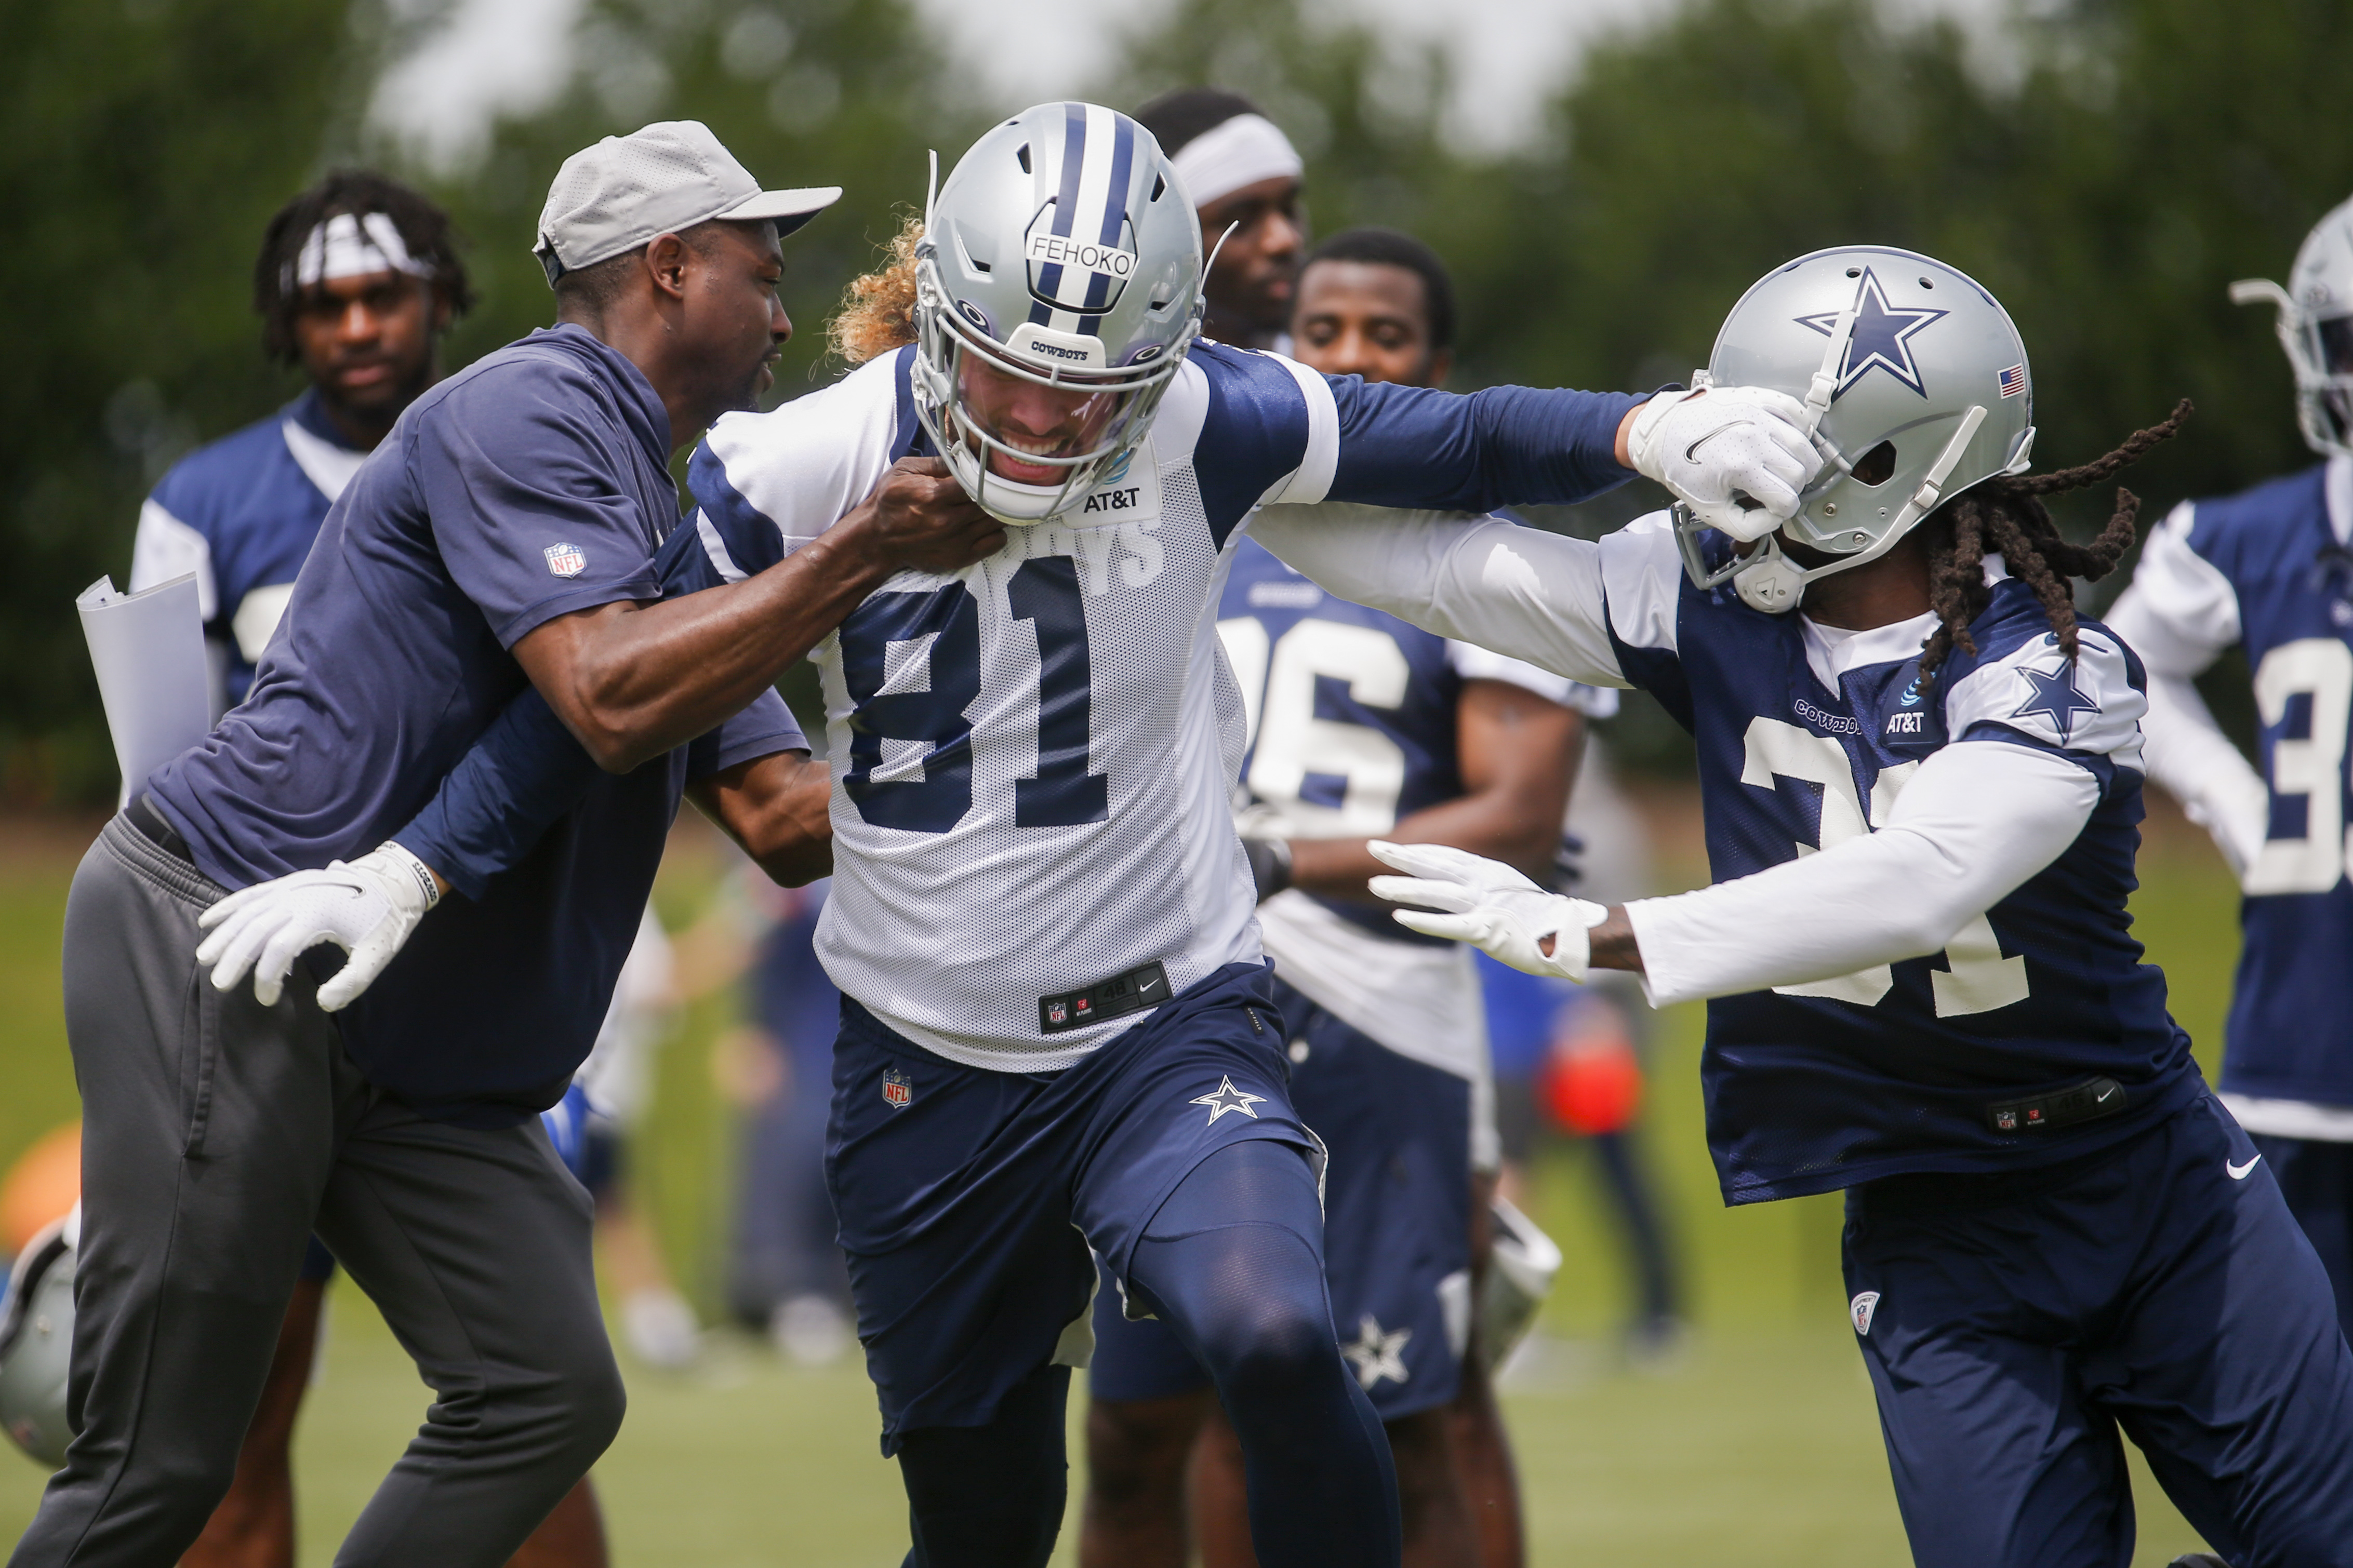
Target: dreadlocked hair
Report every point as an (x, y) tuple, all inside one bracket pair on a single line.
[(2007, 516), (878, 310), (431, 238)]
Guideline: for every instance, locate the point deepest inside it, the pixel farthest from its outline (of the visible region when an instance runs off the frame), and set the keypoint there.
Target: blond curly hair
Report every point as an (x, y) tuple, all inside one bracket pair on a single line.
[(878, 310)]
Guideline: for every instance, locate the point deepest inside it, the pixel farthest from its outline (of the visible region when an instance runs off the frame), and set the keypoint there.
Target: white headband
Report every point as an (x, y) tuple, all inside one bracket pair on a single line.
[(1242, 152), (349, 247)]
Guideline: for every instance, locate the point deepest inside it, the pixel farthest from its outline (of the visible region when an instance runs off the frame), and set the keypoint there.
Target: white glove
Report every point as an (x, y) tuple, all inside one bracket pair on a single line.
[(1488, 905), (1738, 456), (367, 907)]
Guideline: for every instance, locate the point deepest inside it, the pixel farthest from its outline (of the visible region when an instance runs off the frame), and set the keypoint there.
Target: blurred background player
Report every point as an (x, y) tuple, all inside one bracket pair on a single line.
[(1243, 173), (357, 280), (1570, 1063), (2269, 569), (787, 1276), (1361, 726)]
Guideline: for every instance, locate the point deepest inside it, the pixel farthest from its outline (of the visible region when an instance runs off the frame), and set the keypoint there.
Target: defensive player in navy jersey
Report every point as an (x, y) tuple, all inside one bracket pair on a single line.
[(358, 280), (1057, 1025), (1244, 177), (1920, 775), (511, 517), (2271, 571), (1357, 725)]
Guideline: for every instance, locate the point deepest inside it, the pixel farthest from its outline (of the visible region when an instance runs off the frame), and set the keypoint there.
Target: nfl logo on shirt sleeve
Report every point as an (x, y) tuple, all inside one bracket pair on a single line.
[(566, 560)]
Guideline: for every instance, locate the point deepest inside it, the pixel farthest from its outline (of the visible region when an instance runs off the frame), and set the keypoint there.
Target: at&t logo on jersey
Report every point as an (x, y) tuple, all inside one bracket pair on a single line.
[(1114, 500), (566, 560), (898, 1088)]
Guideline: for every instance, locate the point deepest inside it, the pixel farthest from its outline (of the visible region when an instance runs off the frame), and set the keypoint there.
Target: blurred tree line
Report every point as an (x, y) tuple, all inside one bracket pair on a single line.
[(2105, 167)]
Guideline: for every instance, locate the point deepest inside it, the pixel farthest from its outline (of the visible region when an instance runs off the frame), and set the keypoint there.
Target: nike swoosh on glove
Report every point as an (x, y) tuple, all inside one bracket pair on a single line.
[(367, 907), (1489, 905), (1738, 456)]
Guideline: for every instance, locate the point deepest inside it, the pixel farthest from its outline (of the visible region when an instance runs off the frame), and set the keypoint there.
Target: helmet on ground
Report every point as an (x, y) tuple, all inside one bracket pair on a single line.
[(1916, 385), (1062, 255), (2316, 328), (37, 1324)]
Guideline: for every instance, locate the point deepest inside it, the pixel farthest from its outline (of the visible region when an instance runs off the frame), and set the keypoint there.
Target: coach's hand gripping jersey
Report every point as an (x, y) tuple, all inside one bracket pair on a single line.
[(2269, 569), (1033, 758), (1942, 940)]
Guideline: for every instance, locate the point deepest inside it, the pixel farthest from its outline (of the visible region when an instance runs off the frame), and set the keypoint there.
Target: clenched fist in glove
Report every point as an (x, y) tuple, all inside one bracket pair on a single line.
[(1489, 906), (1738, 456), (367, 907)]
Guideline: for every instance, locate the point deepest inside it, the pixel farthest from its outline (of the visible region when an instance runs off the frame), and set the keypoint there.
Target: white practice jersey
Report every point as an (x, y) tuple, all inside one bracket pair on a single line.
[(1033, 758)]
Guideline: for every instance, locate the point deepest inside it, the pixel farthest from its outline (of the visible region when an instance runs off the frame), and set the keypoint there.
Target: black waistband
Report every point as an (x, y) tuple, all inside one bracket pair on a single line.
[(1146, 985), (142, 814)]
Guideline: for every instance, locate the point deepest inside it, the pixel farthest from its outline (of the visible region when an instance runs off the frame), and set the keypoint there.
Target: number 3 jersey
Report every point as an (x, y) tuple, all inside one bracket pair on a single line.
[(1033, 759), (2268, 569), (1806, 737)]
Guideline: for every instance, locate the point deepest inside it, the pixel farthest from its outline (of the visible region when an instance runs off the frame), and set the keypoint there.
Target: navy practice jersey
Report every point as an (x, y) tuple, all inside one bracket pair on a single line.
[(2270, 569), (1806, 736), (239, 514)]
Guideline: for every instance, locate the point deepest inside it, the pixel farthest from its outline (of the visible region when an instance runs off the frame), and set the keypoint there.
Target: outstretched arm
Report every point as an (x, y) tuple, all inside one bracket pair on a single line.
[(1533, 596), (1940, 861)]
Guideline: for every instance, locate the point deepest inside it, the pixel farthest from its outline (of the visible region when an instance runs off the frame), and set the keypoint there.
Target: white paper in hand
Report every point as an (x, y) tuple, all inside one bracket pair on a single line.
[(148, 648)]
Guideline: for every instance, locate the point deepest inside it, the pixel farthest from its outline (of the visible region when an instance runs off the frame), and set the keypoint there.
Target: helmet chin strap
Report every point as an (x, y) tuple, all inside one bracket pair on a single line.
[(1774, 583)]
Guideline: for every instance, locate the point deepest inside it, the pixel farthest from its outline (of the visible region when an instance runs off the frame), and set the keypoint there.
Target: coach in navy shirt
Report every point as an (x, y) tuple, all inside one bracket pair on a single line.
[(500, 538)]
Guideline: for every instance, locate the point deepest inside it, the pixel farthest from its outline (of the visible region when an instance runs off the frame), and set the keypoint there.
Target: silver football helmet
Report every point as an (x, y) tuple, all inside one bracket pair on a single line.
[(2316, 328), (36, 1325), (1062, 254), (1916, 385)]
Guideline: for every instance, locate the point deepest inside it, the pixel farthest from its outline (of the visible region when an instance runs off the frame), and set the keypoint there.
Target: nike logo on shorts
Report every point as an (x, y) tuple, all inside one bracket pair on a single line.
[(2239, 1172)]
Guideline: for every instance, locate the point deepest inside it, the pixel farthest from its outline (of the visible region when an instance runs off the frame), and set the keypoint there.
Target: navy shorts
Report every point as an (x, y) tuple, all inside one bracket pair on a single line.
[(2161, 1289), (318, 1263), (2317, 1179), (968, 1199), (1397, 1226)]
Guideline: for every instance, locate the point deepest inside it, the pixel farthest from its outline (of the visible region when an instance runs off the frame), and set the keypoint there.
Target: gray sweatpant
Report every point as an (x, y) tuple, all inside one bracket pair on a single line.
[(217, 1135)]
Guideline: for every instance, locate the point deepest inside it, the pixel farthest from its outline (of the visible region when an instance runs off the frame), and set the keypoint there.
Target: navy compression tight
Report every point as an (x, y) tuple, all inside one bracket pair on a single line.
[(1234, 1263)]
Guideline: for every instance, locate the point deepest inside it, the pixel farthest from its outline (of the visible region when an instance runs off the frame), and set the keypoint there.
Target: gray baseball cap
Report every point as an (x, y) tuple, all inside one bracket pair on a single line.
[(626, 191)]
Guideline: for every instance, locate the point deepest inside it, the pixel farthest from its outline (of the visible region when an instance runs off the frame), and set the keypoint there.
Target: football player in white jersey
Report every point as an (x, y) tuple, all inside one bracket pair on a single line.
[(1921, 799), (1057, 1033), (1360, 725)]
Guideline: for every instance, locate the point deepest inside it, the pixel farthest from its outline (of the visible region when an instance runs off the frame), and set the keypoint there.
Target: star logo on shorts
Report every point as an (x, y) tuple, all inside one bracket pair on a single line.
[(1376, 1356), (1228, 1098)]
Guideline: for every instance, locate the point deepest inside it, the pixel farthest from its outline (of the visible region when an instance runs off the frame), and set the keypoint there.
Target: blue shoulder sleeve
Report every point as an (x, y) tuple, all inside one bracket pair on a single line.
[(526, 769), (1416, 446), (1255, 432)]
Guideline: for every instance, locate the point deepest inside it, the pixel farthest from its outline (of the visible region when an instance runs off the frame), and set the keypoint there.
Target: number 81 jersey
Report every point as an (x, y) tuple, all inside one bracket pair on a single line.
[(1032, 758)]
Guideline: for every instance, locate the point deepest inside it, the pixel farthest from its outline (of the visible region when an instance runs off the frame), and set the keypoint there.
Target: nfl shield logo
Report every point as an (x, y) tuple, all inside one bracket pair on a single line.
[(2006, 1120), (1860, 1309), (1058, 1012), (898, 1088), (566, 560)]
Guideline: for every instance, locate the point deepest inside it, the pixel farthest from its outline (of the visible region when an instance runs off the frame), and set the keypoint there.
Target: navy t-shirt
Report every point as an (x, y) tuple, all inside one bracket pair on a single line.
[(531, 485)]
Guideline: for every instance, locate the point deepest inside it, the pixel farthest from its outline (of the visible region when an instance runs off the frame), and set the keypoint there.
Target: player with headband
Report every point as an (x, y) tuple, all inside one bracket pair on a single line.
[(1244, 177)]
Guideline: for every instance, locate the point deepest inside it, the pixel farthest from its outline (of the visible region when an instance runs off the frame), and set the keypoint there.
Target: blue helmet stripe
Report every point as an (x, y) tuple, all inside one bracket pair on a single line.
[(1123, 163), (1066, 200)]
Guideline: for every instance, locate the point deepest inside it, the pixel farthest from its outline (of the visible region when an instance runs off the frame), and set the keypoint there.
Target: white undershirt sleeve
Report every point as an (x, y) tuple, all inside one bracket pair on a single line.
[(2179, 615), (1525, 594), (1943, 858)]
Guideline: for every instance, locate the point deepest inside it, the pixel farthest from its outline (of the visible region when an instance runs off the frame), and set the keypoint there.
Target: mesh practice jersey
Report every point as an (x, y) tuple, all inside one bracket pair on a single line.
[(241, 513), (2269, 569), (1350, 723), (1806, 737), (1034, 758)]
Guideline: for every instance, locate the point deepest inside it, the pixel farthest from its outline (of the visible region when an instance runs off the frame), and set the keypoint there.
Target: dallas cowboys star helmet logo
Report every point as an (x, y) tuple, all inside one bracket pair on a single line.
[(1882, 336), (2055, 697), (1228, 1098), (1376, 1356)]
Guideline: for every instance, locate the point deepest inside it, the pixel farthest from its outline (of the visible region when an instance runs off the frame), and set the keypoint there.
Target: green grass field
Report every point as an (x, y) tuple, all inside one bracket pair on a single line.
[(1758, 1445)]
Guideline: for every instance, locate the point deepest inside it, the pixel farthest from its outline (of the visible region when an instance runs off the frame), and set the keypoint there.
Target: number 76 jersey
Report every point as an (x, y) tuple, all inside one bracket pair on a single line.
[(1032, 758)]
